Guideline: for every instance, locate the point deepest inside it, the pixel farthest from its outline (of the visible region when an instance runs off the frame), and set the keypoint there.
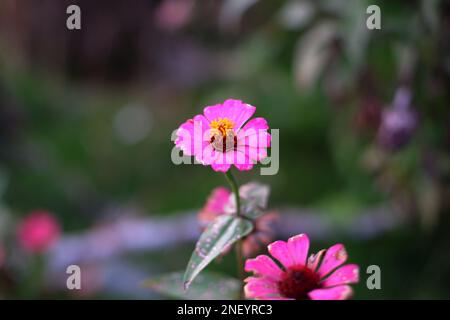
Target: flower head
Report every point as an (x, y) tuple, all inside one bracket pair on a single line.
[(223, 136), (321, 277), (38, 231)]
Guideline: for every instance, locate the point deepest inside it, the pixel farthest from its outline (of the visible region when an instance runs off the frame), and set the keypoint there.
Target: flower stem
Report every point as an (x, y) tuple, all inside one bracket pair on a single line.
[(234, 188), (240, 266), (239, 256)]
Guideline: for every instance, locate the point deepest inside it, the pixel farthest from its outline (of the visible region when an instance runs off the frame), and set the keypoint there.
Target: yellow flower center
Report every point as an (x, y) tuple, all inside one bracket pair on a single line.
[(223, 125), (222, 135)]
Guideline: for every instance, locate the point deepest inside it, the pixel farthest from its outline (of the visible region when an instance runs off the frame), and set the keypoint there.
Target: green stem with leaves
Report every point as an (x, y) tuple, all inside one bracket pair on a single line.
[(239, 254)]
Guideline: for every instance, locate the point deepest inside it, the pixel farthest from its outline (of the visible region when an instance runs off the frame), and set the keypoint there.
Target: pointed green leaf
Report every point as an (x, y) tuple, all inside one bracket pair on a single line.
[(208, 286), (218, 236), (254, 198)]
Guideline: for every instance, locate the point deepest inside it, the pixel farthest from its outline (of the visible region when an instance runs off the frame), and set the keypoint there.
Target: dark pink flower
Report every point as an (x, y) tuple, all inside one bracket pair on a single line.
[(321, 277), (38, 231), (222, 136)]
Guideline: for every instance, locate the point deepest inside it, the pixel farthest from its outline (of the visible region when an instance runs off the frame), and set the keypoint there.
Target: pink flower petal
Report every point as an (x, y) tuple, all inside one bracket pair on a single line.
[(273, 297), (261, 288), (238, 158), (244, 167), (264, 266), (184, 139), (256, 124), (279, 250), (214, 112), (191, 136), (257, 154), (242, 161), (235, 110), (217, 200), (255, 134), (252, 155), (335, 293), (220, 167), (334, 257), (314, 259), (253, 144), (208, 155), (344, 275), (223, 161), (231, 157), (298, 247)]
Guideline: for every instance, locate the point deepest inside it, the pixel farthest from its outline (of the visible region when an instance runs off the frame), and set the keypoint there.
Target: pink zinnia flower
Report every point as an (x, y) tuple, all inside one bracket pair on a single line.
[(222, 136), (38, 231), (300, 278), (215, 206)]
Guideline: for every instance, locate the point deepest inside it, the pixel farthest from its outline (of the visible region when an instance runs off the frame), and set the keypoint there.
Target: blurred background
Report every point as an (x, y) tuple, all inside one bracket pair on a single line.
[(86, 118)]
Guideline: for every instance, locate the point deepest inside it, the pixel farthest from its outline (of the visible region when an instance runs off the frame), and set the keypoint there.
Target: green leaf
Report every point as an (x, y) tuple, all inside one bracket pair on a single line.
[(218, 236), (254, 198), (208, 286), (312, 53), (355, 34)]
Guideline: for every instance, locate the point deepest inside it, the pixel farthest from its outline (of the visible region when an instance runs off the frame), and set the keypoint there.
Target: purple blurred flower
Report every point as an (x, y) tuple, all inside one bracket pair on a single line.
[(398, 122)]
